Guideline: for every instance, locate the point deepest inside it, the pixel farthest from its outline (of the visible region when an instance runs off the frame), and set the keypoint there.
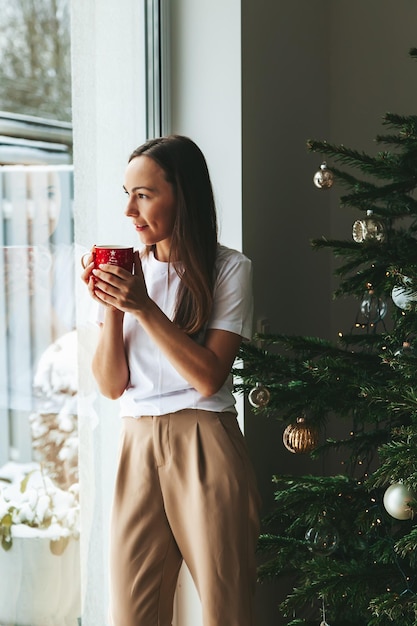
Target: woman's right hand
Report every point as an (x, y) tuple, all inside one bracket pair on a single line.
[(87, 276), (87, 261), (88, 266)]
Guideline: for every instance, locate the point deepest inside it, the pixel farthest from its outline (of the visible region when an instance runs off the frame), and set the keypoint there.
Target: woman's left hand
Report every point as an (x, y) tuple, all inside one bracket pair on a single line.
[(115, 286)]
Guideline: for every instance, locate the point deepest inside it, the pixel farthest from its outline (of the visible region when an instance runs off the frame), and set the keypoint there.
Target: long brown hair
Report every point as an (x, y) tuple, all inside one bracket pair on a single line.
[(194, 237)]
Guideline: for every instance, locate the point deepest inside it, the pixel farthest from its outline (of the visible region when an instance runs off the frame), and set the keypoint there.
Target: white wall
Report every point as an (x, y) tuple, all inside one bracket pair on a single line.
[(206, 106), (206, 97)]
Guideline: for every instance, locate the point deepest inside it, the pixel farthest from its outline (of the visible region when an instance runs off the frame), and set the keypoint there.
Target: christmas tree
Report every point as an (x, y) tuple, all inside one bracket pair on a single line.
[(348, 542)]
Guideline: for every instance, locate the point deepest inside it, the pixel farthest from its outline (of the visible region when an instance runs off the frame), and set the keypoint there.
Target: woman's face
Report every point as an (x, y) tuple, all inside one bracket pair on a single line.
[(151, 204)]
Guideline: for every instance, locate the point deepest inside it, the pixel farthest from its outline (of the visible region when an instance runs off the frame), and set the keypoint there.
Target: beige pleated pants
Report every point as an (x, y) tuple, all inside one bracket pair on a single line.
[(185, 489)]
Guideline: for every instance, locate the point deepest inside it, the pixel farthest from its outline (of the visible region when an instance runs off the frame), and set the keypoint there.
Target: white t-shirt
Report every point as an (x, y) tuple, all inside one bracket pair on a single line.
[(155, 387)]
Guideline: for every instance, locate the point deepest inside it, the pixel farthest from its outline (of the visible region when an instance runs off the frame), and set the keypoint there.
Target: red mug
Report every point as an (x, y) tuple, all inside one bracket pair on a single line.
[(113, 255)]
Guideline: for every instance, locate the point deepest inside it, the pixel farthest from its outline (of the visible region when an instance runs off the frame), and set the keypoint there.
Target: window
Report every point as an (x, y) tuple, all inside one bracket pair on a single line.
[(39, 412), (36, 222), (29, 140), (38, 417)]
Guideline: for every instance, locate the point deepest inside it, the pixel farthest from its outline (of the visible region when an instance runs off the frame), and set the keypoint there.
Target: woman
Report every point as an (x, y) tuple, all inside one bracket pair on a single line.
[(185, 488)]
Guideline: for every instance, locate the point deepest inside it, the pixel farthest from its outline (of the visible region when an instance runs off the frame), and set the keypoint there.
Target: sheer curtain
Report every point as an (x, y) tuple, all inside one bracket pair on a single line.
[(109, 121)]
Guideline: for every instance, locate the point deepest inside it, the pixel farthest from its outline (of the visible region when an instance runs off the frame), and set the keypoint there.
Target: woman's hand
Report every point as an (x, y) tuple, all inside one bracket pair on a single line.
[(89, 279), (116, 287), (87, 261), (88, 265)]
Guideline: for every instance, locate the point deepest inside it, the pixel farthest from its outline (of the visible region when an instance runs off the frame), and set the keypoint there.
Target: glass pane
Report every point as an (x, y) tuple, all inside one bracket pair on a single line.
[(39, 509), (35, 58)]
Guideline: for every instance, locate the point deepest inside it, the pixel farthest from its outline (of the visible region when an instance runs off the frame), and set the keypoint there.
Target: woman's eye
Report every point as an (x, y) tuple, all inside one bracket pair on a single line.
[(142, 195)]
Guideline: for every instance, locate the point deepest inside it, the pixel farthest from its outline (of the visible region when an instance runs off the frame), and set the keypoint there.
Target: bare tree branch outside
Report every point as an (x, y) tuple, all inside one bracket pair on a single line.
[(35, 62)]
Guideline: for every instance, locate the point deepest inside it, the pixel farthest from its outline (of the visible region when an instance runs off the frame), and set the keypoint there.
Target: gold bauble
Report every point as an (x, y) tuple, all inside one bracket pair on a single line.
[(300, 438)]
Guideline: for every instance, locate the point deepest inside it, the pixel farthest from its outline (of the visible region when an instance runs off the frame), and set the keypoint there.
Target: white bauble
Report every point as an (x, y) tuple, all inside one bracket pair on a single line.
[(404, 296), (396, 500)]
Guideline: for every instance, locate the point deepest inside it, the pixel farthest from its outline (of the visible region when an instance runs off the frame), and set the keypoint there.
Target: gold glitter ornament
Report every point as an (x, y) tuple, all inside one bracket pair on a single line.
[(323, 178), (300, 437)]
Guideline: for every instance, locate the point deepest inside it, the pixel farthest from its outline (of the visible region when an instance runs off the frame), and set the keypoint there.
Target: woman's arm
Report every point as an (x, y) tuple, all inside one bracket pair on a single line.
[(109, 365), (205, 367)]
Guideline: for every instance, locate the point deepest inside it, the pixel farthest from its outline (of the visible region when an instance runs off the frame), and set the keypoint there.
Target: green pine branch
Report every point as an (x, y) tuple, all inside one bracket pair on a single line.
[(393, 608), (384, 166)]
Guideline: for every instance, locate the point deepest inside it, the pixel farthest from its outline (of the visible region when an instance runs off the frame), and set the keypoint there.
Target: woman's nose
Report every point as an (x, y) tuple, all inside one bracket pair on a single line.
[(131, 208)]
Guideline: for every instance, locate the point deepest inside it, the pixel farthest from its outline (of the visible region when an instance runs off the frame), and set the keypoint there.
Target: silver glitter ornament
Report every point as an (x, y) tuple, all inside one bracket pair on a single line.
[(369, 228), (259, 396), (323, 178)]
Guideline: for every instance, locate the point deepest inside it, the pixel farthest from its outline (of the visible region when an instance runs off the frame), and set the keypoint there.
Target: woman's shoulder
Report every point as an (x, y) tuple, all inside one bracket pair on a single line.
[(230, 256)]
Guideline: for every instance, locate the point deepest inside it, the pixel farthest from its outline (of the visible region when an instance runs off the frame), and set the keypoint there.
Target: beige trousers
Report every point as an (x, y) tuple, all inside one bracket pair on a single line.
[(185, 489)]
